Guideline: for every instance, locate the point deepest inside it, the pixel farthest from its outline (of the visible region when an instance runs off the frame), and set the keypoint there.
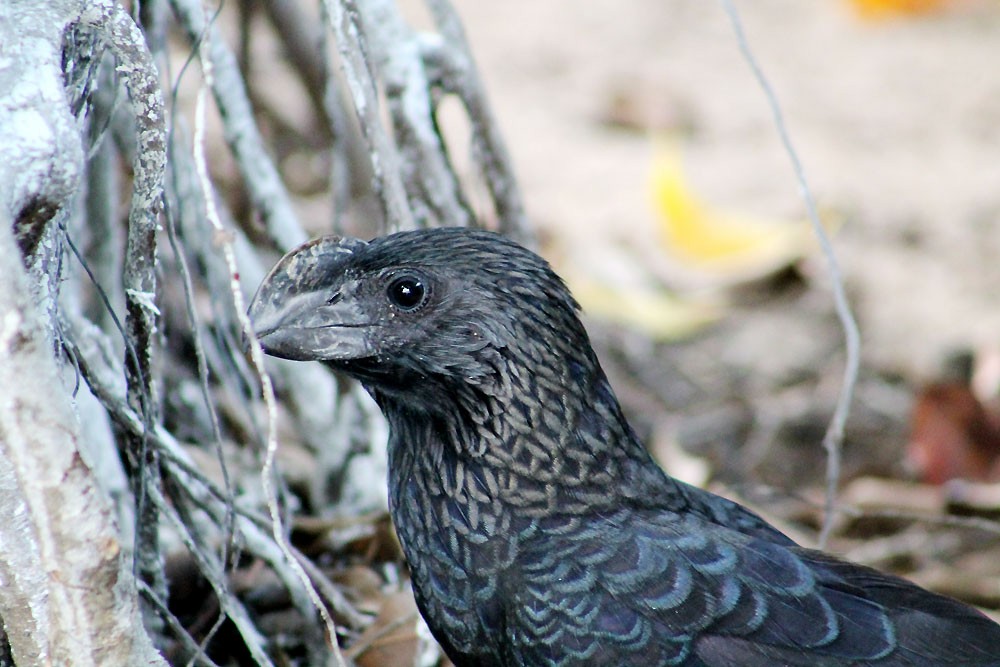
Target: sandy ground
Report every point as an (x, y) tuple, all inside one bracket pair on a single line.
[(896, 122)]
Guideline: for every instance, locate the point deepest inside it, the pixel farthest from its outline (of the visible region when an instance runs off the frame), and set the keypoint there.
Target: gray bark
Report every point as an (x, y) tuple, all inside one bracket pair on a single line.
[(67, 594)]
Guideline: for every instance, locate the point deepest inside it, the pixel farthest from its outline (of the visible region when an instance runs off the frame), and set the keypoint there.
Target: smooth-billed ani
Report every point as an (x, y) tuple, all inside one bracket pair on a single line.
[(537, 528)]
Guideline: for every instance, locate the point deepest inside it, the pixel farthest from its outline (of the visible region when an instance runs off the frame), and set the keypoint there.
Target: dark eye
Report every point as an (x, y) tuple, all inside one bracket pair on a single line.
[(407, 293)]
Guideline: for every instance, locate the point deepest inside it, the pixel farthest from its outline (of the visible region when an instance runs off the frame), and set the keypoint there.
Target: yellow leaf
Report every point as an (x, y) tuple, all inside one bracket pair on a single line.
[(876, 9), (729, 247)]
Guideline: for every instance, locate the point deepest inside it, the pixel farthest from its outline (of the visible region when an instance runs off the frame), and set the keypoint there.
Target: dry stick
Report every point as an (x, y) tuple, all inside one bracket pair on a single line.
[(83, 342), (259, 542), (361, 648), (348, 158), (139, 74), (230, 549), (301, 38), (457, 75), (175, 625), (81, 333), (180, 164), (310, 390), (835, 432), (884, 551), (345, 143), (213, 570), (435, 196), (267, 192), (308, 46), (201, 360), (254, 529), (88, 345), (154, 17), (975, 523), (358, 70), (349, 615), (130, 423), (104, 237), (257, 355)]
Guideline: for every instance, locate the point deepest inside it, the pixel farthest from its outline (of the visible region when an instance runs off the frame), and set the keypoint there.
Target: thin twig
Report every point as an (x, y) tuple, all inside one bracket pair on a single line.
[(230, 549), (434, 194), (834, 437), (456, 69), (139, 74), (301, 38), (213, 570), (197, 341), (83, 343), (371, 642), (344, 16), (197, 653), (257, 355), (264, 184)]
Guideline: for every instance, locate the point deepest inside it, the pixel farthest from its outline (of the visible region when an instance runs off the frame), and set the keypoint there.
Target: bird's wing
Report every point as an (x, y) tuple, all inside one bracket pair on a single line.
[(667, 589)]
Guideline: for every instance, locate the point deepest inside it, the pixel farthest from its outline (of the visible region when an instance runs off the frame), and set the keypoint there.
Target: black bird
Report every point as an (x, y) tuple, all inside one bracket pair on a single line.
[(537, 528)]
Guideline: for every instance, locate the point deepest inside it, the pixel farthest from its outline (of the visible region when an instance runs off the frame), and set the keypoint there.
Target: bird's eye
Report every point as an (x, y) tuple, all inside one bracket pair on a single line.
[(407, 293)]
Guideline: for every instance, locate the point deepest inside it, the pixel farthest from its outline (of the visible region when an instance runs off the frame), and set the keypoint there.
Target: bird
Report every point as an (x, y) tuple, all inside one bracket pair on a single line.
[(536, 526)]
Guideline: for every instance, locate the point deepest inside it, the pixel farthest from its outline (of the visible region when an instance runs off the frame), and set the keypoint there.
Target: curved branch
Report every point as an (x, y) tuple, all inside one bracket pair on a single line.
[(451, 60), (264, 184), (113, 25)]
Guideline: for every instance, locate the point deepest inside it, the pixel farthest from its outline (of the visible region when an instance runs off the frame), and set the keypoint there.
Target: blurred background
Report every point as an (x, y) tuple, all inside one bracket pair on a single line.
[(896, 117), (650, 164)]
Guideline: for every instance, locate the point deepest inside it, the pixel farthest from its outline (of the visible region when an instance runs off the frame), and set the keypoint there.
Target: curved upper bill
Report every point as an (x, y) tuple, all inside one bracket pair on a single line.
[(304, 310)]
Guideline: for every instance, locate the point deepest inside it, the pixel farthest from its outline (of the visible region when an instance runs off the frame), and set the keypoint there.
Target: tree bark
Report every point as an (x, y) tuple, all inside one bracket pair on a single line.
[(67, 595)]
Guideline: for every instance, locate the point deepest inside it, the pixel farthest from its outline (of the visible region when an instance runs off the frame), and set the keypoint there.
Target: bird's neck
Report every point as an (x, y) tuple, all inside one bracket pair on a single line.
[(537, 440), (500, 464)]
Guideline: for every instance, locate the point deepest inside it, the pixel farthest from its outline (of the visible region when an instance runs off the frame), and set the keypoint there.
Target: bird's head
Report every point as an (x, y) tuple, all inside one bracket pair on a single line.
[(416, 313)]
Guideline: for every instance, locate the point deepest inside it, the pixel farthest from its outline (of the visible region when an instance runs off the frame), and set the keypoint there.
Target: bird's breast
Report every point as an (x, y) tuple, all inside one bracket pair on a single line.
[(460, 550)]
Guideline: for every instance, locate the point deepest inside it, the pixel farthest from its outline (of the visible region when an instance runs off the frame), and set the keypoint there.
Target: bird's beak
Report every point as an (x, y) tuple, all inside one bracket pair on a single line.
[(298, 314)]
